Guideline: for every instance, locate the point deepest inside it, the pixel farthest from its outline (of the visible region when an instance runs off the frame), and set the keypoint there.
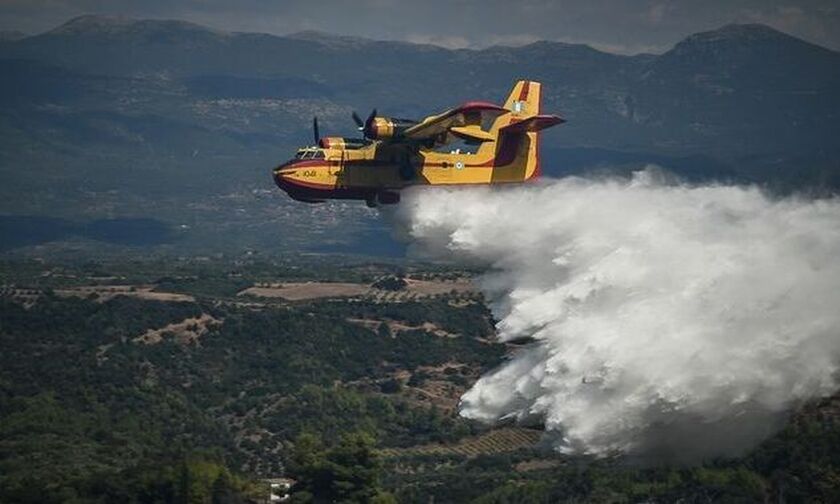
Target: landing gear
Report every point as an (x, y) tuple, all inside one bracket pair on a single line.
[(383, 198), (388, 198)]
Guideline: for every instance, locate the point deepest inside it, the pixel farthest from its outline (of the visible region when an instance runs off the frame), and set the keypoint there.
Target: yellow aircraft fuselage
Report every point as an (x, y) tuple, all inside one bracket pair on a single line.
[(375, 172)]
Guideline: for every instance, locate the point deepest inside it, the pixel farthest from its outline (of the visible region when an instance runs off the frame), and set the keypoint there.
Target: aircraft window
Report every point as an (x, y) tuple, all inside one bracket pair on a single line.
[(309, 154), (457, 147)]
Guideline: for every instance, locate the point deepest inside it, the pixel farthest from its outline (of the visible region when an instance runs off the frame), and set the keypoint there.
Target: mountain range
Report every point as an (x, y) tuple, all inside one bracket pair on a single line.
[(107, 117)]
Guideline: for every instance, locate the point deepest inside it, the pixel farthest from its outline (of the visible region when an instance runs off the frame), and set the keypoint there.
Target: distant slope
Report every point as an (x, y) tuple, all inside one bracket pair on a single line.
[(740, 90), (10, 35), (744, 90), (141, 115)]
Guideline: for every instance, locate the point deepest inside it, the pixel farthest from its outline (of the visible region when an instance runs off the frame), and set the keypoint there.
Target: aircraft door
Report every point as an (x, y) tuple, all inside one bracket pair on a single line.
[(336, 163)]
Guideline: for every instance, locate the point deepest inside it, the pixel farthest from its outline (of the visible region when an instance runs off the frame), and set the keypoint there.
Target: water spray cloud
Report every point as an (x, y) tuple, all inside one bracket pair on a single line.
[(669, 319)]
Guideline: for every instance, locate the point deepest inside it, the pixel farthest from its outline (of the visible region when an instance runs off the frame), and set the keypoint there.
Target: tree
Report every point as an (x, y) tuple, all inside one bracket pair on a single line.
[(223, 491), (346, 473)]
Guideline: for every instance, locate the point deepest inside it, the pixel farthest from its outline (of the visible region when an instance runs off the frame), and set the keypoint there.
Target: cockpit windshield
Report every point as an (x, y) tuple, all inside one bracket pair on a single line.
[(309, 154)]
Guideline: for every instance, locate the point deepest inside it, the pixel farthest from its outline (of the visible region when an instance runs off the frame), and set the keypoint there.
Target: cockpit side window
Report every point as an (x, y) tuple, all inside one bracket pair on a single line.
[(309, 154)]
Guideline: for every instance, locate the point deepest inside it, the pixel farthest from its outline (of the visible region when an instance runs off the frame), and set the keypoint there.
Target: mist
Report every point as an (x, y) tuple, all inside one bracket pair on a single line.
[(668, 321)]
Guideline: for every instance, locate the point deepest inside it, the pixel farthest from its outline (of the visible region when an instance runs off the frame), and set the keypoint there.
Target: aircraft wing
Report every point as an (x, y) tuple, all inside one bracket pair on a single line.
[(464, 120)]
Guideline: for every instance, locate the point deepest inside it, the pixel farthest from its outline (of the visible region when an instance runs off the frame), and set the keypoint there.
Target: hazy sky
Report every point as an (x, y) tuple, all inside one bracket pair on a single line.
[(621, 26)]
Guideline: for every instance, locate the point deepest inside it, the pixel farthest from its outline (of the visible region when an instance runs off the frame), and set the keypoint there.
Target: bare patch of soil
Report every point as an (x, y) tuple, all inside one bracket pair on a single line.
[(397, 327), (537, 465), (26, 297), (186, 332)]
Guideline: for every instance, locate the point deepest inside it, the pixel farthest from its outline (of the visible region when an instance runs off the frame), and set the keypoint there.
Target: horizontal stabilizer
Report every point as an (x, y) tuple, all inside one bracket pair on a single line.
[(533, 124)]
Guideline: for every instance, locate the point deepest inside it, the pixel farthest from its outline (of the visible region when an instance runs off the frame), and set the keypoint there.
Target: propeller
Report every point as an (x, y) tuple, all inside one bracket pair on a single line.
[(358, 121), (366, 125)]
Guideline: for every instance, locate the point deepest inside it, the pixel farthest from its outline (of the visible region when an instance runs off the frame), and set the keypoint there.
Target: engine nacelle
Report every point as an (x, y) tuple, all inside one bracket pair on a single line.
[(342, 143), (381, 128)]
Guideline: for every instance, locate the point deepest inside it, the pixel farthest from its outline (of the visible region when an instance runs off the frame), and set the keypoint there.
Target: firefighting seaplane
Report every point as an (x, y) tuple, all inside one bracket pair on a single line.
[(397, 153)]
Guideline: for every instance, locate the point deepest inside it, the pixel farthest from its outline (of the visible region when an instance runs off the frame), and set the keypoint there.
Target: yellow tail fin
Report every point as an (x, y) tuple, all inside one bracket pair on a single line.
[(515, 151)]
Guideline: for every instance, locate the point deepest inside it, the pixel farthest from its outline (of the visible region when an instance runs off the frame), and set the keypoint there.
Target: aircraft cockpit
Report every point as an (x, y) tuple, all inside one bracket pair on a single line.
[(310, 153)]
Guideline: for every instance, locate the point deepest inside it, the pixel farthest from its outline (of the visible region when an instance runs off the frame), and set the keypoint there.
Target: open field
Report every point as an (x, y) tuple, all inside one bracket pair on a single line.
[(98, 293), (307, 290)]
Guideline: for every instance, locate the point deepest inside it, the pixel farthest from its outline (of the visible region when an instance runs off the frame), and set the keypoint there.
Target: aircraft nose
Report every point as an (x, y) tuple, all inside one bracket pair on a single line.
[(281, 175), (279, 178)]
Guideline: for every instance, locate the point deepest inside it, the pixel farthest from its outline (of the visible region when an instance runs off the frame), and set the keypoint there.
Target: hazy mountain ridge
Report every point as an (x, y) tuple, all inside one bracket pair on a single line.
[(149, 109), (606, 97), (11, 35)]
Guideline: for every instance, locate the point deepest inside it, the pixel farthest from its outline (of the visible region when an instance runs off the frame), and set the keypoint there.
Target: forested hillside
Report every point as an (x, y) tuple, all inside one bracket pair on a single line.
[(137, 382)]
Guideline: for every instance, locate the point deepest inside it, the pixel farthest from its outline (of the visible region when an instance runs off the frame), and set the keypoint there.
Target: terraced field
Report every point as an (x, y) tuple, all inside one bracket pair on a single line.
[(301, 291), (502, 440)]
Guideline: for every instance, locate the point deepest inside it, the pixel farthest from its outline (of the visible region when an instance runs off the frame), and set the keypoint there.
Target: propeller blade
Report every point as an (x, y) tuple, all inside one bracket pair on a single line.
[(358, 120), (315, 131), (369, 124)]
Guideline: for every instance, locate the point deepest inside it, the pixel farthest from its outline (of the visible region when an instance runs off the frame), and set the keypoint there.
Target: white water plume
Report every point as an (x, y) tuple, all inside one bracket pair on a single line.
[(673, 320)]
